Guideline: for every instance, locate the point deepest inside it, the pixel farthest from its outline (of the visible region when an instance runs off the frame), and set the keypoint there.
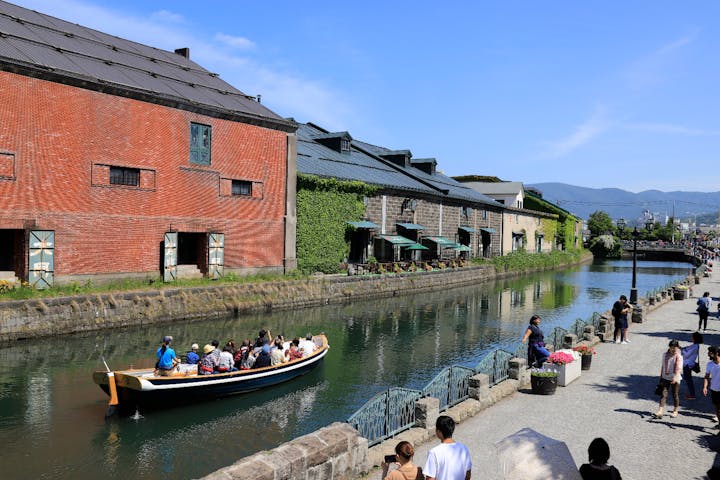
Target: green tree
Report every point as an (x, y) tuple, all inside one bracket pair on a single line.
[(600, 223)]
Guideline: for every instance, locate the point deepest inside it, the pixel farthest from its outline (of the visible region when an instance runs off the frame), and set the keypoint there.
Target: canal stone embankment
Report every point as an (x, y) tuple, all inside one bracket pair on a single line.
[(35, 318)]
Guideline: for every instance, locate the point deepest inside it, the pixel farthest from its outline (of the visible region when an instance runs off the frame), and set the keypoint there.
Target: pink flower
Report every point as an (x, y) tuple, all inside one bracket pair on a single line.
[(560, 358)]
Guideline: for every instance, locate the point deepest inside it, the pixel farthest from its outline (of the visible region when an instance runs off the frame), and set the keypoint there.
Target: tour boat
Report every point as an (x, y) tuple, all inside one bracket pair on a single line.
[(131, 388)]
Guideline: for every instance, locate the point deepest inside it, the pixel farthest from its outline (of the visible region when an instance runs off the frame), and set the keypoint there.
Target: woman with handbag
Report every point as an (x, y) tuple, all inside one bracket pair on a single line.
[(670, 374), (690, 356)]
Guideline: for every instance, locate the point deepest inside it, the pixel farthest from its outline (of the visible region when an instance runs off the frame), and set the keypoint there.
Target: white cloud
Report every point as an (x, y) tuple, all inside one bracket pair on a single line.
[(167, 16), (240, 43), (669, 129), (652, 68), (287, 93), (582, 134)]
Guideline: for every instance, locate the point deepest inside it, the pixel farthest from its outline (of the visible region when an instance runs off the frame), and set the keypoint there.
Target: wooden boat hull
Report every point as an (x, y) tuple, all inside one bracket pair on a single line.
[(139, 387)]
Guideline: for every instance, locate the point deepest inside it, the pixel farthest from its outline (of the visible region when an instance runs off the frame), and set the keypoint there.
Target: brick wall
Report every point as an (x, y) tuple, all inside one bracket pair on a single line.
[(427, 214), (57, 142)]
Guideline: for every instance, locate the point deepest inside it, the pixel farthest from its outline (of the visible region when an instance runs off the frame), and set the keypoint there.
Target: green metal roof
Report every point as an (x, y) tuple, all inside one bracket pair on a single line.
[(411, 226), (442, 241), (488, 230), (463, 248), (363, 224), (467, 229), (396, 239)]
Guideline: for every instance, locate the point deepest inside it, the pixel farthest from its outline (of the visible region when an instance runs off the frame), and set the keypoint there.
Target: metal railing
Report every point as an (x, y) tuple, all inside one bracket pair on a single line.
[(386, 414), (495, 365), (393, 411), (450, 386)]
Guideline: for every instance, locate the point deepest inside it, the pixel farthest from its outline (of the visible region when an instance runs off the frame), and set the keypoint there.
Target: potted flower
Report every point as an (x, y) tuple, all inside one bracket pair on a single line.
[(681, 292), (563, 361), (543, 381), (586, 353)]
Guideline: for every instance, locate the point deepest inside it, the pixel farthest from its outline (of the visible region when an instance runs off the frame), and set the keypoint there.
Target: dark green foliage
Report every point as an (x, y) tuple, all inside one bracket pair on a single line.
[(522, 260), (600, 223), (324, 206)]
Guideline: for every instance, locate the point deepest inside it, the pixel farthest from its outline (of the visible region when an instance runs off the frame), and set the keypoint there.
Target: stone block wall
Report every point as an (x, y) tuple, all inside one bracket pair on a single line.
[(333, 452)]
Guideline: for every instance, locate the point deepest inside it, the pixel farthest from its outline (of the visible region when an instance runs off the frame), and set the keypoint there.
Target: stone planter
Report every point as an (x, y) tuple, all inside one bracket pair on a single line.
[(651, 300), (585, 362), (543, 385), (568, 372), (680, 294)]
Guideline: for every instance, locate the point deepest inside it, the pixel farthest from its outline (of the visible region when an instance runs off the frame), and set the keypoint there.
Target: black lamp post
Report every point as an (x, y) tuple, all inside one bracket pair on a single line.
[(633, 288)]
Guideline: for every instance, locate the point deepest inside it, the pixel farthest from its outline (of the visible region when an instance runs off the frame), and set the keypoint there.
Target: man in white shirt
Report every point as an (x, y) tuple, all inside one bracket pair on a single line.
[(307, 346), (450, 460)]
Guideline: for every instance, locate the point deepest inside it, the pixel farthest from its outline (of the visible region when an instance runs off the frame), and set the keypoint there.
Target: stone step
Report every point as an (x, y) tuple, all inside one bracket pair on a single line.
[(8, 276), (188, 271)]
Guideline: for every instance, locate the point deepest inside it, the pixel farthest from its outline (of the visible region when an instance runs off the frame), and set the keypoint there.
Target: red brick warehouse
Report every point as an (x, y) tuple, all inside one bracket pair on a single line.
[(122, 160)]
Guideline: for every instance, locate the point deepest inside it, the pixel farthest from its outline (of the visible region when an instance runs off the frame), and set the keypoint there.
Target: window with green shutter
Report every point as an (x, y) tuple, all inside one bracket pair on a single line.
[(200, 137)]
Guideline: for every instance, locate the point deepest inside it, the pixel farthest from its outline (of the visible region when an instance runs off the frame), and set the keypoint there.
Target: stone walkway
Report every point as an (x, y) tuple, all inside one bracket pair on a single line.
[(614, 400)]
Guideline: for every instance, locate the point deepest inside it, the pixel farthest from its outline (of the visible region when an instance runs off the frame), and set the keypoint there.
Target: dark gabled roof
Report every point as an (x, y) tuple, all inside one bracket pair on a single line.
[(46, 47), (314, 158), (451, 188)]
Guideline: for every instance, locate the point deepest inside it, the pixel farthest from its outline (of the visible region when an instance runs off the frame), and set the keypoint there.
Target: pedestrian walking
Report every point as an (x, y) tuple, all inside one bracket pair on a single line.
[(670, 374), (450, 460), (712, 379), (703, 310), (598, 468), (690, 354), (405, 470), (620, 311)]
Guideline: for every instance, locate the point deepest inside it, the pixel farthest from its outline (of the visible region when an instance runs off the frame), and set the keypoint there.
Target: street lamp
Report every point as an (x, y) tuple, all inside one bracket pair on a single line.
[(633, 288)]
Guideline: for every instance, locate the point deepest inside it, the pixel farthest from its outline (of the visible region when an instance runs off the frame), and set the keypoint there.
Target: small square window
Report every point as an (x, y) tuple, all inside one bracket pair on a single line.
[(200, 141), (242, 187), (125, 176)]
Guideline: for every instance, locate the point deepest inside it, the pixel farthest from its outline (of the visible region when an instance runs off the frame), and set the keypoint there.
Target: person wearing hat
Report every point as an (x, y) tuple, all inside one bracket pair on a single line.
[(192, 356), (166, 358), (207, 362)]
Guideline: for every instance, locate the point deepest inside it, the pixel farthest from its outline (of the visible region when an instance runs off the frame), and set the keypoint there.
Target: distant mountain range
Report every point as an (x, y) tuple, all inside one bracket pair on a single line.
[(697, 207)]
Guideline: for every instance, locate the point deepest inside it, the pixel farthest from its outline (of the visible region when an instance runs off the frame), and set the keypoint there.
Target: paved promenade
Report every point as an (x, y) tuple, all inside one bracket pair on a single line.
[(615, 400)]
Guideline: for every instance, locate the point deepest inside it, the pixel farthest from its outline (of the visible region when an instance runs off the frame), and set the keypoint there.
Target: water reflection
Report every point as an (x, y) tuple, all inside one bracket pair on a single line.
[(48, 402)]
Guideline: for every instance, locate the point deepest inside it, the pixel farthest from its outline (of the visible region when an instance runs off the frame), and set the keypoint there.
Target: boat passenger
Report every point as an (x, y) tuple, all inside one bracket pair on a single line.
[(263, 358), (277, 355), (307, 346), (231, 343), (207, 362), (262, 338), (167, 360), (215, 353), (192, 356), (226, 361), (293, 352)]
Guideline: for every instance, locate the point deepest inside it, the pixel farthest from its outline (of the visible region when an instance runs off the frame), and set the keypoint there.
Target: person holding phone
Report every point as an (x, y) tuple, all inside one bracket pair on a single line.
[(404, 452)]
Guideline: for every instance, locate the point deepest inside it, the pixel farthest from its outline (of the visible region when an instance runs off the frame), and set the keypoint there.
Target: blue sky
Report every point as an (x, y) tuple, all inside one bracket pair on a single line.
[(591, 93)]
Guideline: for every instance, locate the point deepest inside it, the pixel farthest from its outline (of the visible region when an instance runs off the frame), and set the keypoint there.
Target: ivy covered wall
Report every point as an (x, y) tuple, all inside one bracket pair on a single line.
[(566, 221), (324, 206)]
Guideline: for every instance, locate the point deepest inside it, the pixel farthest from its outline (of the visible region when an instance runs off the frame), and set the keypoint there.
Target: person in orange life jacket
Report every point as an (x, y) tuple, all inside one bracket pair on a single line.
[(226, 360), (207, 362)]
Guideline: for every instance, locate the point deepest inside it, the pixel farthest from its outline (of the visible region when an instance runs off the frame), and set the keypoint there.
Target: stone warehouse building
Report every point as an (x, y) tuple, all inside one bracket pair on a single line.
[(415, 205), (119, 159)]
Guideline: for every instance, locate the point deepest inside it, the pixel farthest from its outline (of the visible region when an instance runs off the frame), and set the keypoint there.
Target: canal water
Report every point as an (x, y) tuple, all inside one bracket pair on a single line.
[(52, 416)]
